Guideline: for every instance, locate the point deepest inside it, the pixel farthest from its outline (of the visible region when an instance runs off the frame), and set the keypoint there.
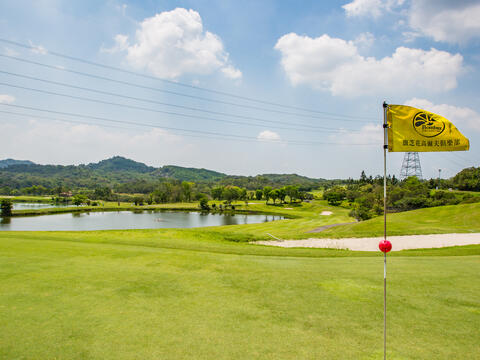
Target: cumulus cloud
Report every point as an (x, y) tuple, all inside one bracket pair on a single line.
[(335, 65), (461, 117), (369, 8), (6, 99), (449, 21), (174, 43), (268, 136)]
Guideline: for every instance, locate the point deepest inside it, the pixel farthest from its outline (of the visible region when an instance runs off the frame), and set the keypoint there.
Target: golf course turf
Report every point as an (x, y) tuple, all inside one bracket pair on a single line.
[(209, 294)]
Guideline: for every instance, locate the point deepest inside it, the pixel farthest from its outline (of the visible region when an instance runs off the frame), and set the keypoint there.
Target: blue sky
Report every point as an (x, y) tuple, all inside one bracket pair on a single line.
[(341, 59)]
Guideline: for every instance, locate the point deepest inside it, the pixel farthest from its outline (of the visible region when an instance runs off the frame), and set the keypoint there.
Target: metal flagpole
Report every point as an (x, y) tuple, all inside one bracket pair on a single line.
[(385, 146)]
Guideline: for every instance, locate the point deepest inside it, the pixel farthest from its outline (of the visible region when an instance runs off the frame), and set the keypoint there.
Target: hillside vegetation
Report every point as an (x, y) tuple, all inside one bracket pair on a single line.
[(126, 175)]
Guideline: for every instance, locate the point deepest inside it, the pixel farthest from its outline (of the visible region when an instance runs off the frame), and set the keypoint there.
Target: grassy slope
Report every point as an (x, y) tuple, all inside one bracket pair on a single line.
[(444, 219), (94, 295)]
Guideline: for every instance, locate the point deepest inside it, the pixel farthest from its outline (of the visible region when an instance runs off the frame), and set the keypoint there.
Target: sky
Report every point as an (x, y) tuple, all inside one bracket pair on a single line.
[(241, 87)]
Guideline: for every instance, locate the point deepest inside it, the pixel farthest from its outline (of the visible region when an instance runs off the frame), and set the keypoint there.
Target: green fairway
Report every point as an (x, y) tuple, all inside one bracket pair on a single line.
[(130, 294), (206, 293)]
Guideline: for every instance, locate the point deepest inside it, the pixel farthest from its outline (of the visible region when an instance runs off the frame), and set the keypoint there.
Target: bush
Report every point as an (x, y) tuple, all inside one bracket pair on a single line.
[(204, 204), (6, 207)]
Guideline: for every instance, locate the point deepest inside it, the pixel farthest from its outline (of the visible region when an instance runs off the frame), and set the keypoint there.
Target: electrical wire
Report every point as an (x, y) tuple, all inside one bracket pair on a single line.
[(293, 142), (179, 106), (331, 117), (92, 63)]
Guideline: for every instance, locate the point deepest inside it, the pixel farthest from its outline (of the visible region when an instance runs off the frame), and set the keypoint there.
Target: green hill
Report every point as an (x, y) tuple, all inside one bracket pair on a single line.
[(188, 174), (7, 162)]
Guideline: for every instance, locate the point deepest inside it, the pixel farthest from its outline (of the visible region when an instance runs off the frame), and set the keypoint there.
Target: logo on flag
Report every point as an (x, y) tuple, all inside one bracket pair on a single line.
[(426, 125)]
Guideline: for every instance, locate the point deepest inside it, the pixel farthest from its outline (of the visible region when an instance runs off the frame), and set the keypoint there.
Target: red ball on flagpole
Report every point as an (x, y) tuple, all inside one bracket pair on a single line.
[(385, 246)]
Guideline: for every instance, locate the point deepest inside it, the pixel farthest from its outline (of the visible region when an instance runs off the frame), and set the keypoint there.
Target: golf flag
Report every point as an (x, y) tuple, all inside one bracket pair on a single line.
[(416, 130)]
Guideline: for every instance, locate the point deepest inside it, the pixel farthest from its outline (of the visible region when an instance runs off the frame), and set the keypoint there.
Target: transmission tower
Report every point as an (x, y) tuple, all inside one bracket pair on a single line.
[(411, 166)]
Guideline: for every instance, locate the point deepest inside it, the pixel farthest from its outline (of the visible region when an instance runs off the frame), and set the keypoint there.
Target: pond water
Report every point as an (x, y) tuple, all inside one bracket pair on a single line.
[(34, 206), (118, 220)]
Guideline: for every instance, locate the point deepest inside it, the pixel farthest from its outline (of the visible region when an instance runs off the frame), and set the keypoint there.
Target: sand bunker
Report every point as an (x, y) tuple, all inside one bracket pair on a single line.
[(326, 213), (371, 244)]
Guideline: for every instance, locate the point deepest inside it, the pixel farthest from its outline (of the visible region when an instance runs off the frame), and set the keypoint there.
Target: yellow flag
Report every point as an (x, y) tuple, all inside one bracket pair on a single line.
[(411, 129)]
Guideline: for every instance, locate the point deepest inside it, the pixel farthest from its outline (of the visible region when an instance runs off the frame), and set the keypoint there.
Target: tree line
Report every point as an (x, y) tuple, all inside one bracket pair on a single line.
[(365, 197)]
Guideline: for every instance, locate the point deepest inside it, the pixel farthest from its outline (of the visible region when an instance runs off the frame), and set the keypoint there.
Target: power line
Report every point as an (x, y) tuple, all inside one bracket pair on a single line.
[(293, 142), (98, 77), (178, 106), (144, 108), (88, 62), (121, 127)]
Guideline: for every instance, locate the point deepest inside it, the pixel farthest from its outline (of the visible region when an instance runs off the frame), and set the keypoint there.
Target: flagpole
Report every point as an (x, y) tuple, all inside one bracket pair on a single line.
[(385, 146)]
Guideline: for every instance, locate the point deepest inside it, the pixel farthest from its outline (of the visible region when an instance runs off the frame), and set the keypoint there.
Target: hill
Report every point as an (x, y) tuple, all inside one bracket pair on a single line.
[(189, 174), (7, 162), (126, 175), (119, 163)]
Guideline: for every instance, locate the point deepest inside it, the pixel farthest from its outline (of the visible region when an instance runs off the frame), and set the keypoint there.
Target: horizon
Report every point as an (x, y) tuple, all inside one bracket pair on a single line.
[(213, 170)]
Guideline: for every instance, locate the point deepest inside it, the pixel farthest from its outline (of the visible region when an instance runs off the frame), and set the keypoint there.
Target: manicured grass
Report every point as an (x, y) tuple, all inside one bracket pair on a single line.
[(188, 294), (463, 218), (34, 199)]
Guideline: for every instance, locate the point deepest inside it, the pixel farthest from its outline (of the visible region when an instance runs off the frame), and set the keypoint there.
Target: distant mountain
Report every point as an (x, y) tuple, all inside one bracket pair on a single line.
[(119, 163), (188, 174), (274, 180), (126, 175), (8, 162)]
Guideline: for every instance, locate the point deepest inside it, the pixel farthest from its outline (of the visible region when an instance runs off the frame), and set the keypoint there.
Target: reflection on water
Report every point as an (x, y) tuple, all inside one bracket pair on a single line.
[(129, 220)]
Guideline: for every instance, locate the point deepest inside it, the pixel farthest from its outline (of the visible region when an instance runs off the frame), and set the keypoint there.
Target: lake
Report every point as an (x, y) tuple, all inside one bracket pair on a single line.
[(120, 220)]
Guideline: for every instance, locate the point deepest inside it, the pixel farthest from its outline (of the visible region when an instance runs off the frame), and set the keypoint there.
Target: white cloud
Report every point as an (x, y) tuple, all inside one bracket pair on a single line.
[(174, 43), (368, 134), (38, 49), (370, 8), (335, 65), (269, 136), (460, 116), (363, 8), (121, 44), (6, 99), (449, 21), (364, 40)]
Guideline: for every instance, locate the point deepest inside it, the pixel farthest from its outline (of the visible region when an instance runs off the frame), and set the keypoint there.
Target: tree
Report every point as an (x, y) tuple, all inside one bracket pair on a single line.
[(363, 177), (274, 195), (217, 192), (79, 199), (138, 200), (231, 193), (187, 190), (266, 193), (6, 207), (204, 204), (281, 195), (258, 194), (335, 195)]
